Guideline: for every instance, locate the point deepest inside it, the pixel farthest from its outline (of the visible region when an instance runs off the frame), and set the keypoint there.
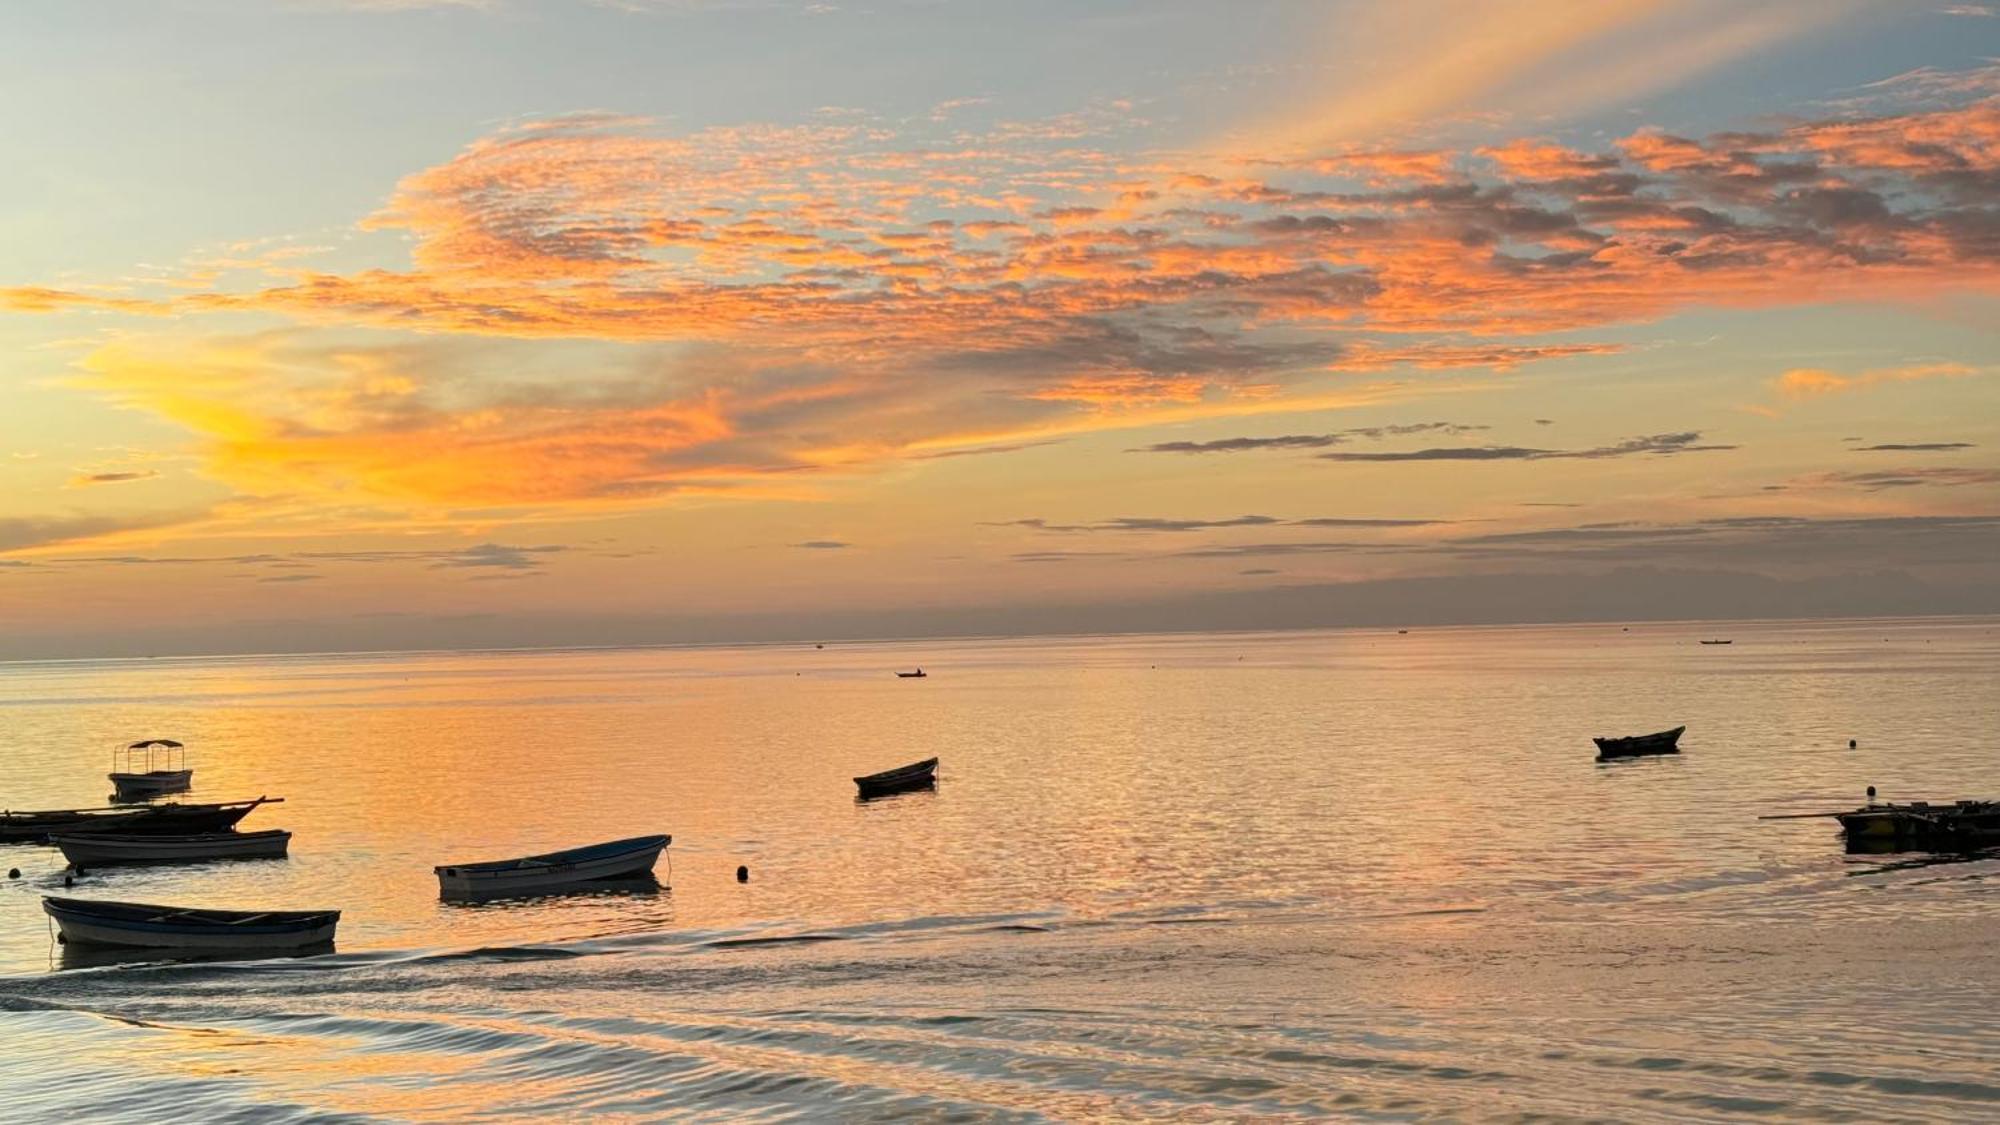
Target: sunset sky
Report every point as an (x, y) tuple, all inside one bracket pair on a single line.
[(330, 324)]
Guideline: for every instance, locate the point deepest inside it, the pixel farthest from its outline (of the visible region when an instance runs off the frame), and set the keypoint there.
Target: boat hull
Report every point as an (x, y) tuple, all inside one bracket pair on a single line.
[(618, 860), (1664, 742), (170, 819), (918, 775), (106, 849), (129, 785), (83, 922), (1967, 824)]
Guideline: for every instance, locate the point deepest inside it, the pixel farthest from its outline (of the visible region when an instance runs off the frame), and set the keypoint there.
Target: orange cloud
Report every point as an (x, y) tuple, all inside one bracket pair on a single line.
[(1812, 382), (832, 296)]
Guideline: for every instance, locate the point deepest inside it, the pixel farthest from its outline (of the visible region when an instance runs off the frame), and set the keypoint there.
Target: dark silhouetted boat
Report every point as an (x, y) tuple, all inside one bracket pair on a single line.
[(1664, 742), (1921, 824), (916, 675), (917, 775), (141, 925), (106, 849), (1728, 642), (152, 820), (536, 874)]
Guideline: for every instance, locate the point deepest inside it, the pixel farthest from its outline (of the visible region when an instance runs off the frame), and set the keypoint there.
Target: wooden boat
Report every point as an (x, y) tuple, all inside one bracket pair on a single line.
[(105, 849), (916, 675), (1663, 742), (916, 775), (1728, 642), (135, 924), (619, 859), (170, 819), (1961, 824), (149, 768)]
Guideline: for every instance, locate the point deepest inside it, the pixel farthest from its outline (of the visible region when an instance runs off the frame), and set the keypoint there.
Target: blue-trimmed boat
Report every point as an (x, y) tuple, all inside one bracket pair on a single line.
[(146, 926), (617, 859)]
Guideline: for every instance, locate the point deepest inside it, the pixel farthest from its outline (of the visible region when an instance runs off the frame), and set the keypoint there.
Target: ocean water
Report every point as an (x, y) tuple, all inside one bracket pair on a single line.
[(1221, 876)]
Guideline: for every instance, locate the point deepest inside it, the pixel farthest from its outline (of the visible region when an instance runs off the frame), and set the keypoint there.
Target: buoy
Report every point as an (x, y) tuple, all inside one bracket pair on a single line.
[(742, 874), (1850, 744), (68, 881), (1871, 792), (13, 873)]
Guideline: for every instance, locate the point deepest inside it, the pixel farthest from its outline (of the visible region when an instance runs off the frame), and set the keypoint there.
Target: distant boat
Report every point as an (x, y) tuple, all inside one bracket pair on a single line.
[(916, 775), (106, 849), (1729, 642), (916, 675), (1664, 742), (170, 819), (619, 859), (148, 768), (90, 922)]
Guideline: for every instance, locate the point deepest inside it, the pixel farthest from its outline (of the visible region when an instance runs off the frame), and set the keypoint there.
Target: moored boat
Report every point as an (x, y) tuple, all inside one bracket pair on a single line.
[(916, 775), (1961, 824), (916, 675), (1661, 742), (143, 925), (149, 768), (104, 849), (168, 819), (618, 859)]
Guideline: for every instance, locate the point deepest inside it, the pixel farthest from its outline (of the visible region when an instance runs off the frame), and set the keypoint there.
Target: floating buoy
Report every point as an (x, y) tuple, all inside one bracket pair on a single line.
[(742, 874), (13, 873), (1871, 792), (1850, 744), (69, 881)]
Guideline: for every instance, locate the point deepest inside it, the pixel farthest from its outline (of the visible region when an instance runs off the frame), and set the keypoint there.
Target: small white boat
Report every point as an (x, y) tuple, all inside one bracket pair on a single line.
[(105, 849), (618, 859), (144, 926), (148, 768)]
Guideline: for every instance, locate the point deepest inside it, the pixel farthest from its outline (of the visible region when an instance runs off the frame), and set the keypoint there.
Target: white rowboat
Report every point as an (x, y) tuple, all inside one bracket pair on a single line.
[(104, 849), (618, 859)]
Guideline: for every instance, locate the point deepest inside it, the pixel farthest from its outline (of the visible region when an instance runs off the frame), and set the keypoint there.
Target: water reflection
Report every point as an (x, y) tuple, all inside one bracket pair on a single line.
[(640, 885), (70, 955)]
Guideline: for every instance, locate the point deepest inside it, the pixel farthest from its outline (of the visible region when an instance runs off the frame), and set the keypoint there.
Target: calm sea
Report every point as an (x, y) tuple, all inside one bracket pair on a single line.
[(1217, 876)]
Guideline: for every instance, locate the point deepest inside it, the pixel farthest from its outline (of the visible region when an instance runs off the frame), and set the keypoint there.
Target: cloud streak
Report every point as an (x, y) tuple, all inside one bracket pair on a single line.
[(1655, 445)]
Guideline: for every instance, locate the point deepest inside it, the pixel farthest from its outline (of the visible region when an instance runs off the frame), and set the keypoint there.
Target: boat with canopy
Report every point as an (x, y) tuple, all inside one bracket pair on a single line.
[(148, 768)]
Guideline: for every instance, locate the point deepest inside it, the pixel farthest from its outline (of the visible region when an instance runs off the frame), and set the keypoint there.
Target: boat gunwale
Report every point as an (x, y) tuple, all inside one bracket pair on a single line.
[(900, 773)]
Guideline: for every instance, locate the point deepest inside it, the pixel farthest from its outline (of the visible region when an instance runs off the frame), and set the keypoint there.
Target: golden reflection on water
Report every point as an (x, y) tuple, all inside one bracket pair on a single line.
[(1295, 872), (1083, 775)]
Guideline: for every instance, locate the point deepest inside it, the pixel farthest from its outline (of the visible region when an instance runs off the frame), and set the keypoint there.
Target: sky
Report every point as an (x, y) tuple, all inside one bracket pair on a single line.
[(333, 324)]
